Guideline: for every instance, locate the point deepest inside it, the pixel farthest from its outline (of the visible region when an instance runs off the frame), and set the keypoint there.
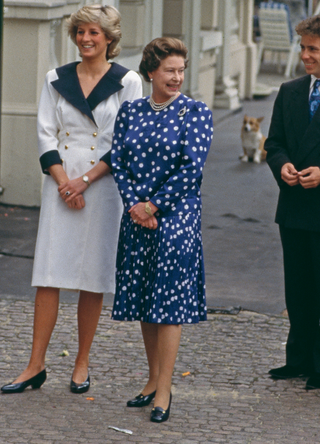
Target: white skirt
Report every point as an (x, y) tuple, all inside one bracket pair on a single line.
[(76, 249)]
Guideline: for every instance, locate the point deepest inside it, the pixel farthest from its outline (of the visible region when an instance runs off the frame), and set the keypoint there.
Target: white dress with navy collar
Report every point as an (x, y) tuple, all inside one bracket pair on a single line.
[(76, 249)]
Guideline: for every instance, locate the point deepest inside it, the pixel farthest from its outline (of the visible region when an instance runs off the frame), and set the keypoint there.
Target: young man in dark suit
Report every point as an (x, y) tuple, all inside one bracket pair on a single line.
[(293, 154)]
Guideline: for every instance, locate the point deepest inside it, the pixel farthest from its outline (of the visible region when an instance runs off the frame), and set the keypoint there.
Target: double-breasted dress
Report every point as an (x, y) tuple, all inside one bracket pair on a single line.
[(76, 249), (159, 156)]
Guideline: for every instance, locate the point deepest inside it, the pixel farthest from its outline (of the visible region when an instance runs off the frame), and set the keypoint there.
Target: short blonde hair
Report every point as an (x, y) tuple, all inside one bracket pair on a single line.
[(107, 17)]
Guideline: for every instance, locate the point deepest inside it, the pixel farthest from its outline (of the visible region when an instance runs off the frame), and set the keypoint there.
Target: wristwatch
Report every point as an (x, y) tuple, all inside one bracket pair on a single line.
[(86, 180)]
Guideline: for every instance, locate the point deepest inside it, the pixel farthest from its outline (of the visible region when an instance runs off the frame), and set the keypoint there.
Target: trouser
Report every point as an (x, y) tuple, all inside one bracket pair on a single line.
[(301, 258)]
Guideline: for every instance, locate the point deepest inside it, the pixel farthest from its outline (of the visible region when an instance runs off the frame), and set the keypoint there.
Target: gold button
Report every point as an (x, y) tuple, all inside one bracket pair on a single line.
[(92, 148), (67, 133), (95, 134), (62, 160), (92, 162), (66, 147)]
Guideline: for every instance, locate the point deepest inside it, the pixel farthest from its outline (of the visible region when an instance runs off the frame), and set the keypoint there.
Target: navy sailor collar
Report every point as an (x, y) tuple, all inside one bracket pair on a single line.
[(68, 86)]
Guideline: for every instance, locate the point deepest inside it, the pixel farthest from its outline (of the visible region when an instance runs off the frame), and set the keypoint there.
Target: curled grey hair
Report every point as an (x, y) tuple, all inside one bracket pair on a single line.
[(107, 17), (158, 50)]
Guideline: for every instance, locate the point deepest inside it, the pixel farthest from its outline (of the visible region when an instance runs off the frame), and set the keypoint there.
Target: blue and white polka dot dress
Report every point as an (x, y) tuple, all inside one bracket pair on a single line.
[(159, 156)]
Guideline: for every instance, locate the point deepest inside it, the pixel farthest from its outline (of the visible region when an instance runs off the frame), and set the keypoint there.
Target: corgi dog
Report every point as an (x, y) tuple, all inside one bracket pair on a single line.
[(252, 140)]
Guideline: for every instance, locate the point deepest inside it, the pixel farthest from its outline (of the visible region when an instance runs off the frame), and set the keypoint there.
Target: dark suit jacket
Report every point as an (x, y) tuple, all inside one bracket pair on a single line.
[(293, 139)]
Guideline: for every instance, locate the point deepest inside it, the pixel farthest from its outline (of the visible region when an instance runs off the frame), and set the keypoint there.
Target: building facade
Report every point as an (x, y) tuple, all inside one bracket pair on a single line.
[(222, 69)]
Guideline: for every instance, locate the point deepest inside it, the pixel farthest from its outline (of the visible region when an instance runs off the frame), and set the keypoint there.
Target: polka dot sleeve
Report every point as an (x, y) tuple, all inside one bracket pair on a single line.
[(194, 150), (120, 173)]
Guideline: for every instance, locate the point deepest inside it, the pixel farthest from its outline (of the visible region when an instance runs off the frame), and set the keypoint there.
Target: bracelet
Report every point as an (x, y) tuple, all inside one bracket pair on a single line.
[(148, 210)]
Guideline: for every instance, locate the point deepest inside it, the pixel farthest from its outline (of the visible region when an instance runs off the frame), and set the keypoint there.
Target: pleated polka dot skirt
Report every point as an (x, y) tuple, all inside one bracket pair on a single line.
[(160, 273)]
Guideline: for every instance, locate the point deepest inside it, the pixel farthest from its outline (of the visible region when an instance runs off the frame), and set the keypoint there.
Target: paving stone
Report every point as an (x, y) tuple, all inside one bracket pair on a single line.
[(227, 398)]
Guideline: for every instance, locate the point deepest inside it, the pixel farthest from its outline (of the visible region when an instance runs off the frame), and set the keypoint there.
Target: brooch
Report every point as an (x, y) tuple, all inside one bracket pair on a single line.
[(182, 111)]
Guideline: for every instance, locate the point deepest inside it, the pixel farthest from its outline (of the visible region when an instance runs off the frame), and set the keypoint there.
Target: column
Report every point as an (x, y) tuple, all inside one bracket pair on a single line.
[(226, 92), (153, 20), (210, 42), (181, 19), (133, 13), (251, 48), (31, 46)]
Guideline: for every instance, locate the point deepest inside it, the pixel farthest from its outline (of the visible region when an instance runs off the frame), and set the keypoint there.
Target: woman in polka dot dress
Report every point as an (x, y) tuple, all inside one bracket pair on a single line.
[(159, 150)]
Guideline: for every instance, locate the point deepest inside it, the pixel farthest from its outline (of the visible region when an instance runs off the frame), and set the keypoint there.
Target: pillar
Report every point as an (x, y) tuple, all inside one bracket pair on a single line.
[(226, 91), (31, 46)]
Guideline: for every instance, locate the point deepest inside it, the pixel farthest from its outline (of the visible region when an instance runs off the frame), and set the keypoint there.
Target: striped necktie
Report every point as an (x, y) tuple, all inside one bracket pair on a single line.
[(314, 100)]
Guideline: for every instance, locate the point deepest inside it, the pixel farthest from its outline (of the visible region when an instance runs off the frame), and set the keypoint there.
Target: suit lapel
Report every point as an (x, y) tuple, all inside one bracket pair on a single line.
[(311, 138), (307, 134), (298, 108), (69, 87)]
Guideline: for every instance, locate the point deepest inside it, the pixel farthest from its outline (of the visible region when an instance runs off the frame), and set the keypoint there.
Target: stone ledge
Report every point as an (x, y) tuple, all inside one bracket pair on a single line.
[(38, 10)]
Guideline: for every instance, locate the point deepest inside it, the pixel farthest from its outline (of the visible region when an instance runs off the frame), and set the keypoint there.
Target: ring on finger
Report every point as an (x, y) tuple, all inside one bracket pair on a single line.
[(68, 193)]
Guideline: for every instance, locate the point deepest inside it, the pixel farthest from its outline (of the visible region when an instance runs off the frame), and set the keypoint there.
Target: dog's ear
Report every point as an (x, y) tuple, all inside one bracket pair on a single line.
[(260, 119)]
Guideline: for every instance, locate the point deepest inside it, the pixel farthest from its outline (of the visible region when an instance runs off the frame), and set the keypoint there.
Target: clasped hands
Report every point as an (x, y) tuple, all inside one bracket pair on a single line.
[(75, 187), (139, 216), (307, 178)]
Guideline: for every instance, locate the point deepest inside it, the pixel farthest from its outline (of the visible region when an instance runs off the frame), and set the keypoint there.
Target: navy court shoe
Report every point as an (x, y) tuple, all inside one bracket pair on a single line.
[(160, 415), (80, 388), (141, 400), (35, 382)]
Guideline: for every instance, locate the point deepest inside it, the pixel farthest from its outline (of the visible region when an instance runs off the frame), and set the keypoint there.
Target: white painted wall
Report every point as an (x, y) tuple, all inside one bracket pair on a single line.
[(35, 40)]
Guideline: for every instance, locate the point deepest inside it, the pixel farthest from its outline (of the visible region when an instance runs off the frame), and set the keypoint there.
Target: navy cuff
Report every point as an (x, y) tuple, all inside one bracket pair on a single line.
[(48, 159), (106, 158)]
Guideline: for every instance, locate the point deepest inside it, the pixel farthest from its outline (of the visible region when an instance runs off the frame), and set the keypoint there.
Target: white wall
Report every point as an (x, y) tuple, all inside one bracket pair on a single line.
[(35, 40)]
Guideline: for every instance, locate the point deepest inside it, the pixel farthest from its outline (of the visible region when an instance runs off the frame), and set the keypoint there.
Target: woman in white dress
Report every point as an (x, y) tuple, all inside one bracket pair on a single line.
[(81, 207)]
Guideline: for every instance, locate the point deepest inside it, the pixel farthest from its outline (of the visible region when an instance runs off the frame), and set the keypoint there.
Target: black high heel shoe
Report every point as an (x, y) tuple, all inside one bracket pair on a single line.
[(80, 388), (35, 382), (141, 400), (160, 415)]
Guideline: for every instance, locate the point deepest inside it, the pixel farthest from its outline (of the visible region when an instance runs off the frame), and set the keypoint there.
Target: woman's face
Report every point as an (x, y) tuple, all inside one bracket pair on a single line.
[(167, 79), (91, 41)]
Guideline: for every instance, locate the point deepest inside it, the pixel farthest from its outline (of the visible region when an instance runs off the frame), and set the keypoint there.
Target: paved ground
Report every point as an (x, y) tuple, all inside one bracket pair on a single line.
[(242, 249), (226, 396)]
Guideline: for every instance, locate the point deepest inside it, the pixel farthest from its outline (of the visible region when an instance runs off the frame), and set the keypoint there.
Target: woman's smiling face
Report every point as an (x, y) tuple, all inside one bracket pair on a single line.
[(167, 79), (92, 41)]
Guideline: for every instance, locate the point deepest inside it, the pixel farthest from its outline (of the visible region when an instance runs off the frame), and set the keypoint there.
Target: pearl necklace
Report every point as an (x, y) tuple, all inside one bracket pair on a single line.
[(160, 106)]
